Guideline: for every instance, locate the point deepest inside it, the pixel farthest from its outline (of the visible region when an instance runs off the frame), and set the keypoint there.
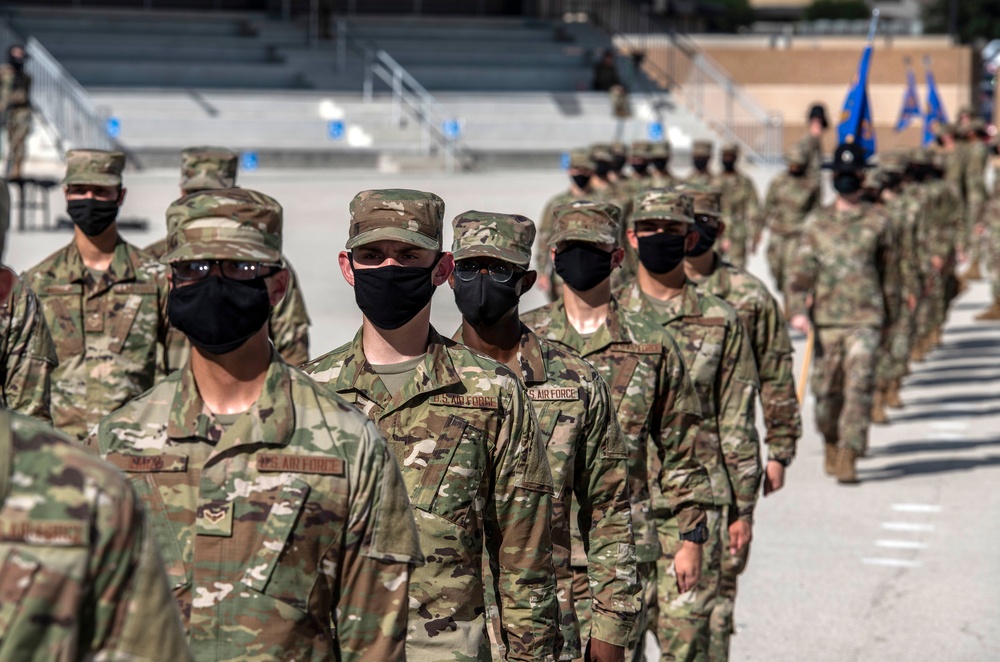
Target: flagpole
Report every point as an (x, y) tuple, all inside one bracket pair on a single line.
[(873, 26)]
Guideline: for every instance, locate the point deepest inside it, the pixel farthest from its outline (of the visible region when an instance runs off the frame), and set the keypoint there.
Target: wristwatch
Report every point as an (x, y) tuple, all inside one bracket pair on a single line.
[(697, 535)]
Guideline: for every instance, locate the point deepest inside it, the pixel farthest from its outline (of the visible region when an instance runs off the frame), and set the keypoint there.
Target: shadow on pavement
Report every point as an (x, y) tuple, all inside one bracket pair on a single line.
[(931, 446), (958, 398), (943, 381), (924, 468)]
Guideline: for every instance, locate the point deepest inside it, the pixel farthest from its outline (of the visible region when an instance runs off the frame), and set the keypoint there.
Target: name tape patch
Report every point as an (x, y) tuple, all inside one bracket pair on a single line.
[(67, 533), (640, 348), (148, 463), (468, 401), (303, 464), (567, 393)]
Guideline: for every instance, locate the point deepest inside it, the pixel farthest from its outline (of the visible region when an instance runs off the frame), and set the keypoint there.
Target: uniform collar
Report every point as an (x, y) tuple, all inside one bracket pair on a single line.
[(688, 304), (614, 330), (119, 271), (530, 357), (719, 281), (271, 420)]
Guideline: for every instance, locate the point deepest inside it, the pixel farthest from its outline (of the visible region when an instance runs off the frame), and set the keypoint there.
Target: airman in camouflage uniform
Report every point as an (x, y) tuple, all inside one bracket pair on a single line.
[(80, 578), (790, 198), (278, 508), (772, 350), (991, 221), (811, 144), (656, 405), (740, 207), (581, 174), (463, 431), (844, 268), (15, 105), (644, 174), (662, 177), (104, 301), (214, 168), (27, 355), (576, 420), (975, 157), (701, 156), (718, 356)]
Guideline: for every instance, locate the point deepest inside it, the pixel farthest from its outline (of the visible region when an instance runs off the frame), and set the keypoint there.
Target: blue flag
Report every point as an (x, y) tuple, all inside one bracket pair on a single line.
[(935, 114), (911, 105), (856, 118)]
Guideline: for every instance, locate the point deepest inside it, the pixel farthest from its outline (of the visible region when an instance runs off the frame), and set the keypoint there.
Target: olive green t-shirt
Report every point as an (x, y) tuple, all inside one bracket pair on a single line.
[(396, 375), (228, 419)]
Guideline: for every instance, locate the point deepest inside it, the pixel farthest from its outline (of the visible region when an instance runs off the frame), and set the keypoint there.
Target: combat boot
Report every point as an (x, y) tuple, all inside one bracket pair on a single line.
[(991, 313), (892, 398), (973, 272), (917, 353), (846, 474), (879, 416), (830, 462)]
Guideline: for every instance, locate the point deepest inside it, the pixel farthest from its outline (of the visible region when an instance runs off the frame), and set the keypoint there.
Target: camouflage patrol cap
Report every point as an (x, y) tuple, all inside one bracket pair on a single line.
[(893, 162), (488, 234), (580, 159), (969, 110), (224, 224), (601, 153), (796, 155), (661, 204), (976, 124), (922, 156), (413, 217), (643, 149), (701, 149), (618, 149), (586, 220), (874, 178), (204, 168), (705, 200), (946, 129), (661, 150), (96, 167), (731, 149)]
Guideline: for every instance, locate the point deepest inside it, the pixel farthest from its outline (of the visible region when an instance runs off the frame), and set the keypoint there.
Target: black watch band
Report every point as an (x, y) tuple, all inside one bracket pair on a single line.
[(697, 535), (783, 461)]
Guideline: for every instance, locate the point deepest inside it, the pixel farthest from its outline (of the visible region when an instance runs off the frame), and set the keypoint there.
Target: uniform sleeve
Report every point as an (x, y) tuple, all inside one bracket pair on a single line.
[(682, 478), (605, 511), (777, 383), (164, 337), (803, 272), (380, 546), (134, 615), (542, 254), (889, 264), (975, 183), (738, 391), (518, 536), (290, 324), (30, 355)]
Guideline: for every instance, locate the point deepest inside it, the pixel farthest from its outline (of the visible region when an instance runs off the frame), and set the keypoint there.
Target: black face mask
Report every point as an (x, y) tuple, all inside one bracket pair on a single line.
[(641, 168), (871, 195), (660, 164), (581, 181), (660, 253), (16, 62), (729, 166), (618, 164), (801, 172), (92, 216), (391, 296), (707, 234), (483, 301), (893, 180), (700, 163), (846, 183), (583, 266), (217, 314), (602, 169)]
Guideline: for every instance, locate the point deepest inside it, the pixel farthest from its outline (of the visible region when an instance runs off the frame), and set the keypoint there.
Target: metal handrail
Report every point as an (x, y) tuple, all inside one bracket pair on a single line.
[(410, 96)]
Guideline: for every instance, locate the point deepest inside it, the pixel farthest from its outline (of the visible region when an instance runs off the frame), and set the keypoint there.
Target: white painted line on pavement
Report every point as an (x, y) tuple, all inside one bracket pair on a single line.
[(893, 563), (915, 508), (908, 527), (949, 425), (900, 544), (948, 436)]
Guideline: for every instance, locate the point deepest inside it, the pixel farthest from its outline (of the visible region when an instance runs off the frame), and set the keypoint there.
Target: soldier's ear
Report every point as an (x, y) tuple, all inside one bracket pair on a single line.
[(617, 257), (445, 267), (633, 240), (722, 230), (691, 240), (121, 196), (528, 281), (277, 286), (346, 268)]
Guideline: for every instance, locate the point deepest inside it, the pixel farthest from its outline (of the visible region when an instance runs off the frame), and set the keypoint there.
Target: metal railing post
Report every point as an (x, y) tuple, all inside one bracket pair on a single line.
[(369, 74), (313, 23), (397, 98), (341, 44)]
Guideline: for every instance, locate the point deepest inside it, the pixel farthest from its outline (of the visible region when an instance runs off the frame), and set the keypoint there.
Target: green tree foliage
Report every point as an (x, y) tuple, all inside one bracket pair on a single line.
[(976, 18), (733, 15), (835, 9)]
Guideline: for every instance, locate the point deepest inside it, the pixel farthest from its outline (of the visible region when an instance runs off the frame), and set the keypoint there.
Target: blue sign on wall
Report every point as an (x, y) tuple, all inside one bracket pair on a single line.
[(114, 127), (335, 129), (655, 130), (248, 161), (564, 161), (452, 129)]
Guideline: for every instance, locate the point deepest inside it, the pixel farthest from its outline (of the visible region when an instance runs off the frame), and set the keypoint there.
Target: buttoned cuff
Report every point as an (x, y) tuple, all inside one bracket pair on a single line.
[(689, 518), (610, 629)]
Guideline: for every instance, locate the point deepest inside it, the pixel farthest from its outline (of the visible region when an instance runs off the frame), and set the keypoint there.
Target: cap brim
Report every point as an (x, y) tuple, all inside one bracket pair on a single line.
[(204, 184), (505, 254), (397, 234), (661, 217), (93, 180), (582, 235), (222, 250)]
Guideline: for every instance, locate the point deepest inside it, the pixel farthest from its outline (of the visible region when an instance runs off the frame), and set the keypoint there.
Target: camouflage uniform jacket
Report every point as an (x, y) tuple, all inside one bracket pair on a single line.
[(845, 261), (657, 409), (943, 231), (700, 178), (789, 200), (907, 211), (105, 333), (465, 437), (286, 535), (589, 462), (15, 89), (289, 322), (543, 257), (27, 356), (812, 146), (720, 360), (740, 205), (772, 350), (976, 161), (80, 578)]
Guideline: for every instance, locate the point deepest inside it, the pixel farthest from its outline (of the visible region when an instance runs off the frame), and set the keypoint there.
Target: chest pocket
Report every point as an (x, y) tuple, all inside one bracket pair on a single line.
[(128, 300), (559, 432), (61, 305), (633, 388), (443, 468), (705, 346)]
